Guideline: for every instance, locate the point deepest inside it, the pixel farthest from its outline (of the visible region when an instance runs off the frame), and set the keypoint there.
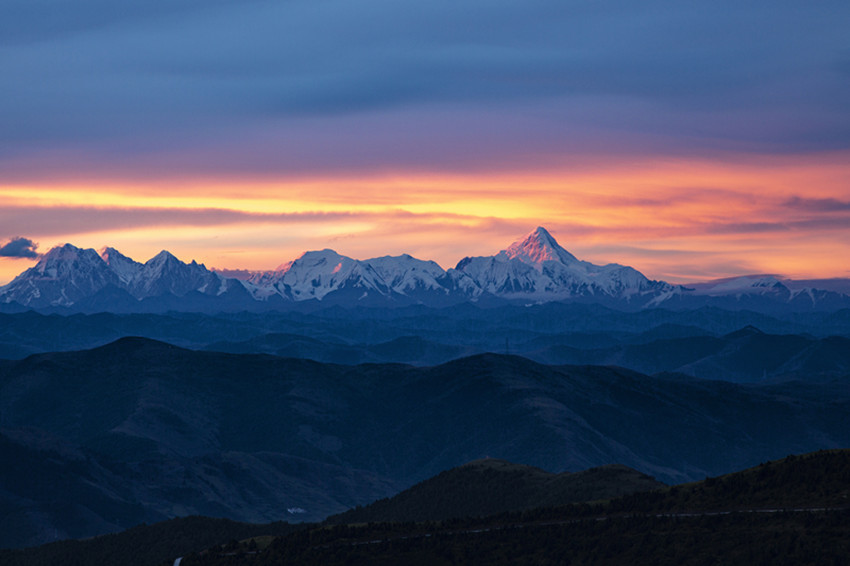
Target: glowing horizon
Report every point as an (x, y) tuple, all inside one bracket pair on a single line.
[(668, 137), (676, 220)]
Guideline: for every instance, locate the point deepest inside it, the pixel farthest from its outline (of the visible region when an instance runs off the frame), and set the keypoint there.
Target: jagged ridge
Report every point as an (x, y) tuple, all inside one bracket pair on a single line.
[(535, 268)]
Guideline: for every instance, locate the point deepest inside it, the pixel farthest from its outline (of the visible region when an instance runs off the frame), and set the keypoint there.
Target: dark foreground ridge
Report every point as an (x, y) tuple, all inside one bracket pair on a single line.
[(490, 486), (791, 511), (143, 545), (794, 511)]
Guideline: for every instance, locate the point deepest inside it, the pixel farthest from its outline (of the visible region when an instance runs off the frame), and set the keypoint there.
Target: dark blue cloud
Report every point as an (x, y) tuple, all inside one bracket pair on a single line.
[(19, 247), (818, 204), (59, 220), (127, 80)]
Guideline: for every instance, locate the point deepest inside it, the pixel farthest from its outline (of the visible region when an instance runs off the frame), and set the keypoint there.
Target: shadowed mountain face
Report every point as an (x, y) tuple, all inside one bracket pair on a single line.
[(747, 355), (788, 512), (140, 430), (490, 486), (819, 480), (708, 343)]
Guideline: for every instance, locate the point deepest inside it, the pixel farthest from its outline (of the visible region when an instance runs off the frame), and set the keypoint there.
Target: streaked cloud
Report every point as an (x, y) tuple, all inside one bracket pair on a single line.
[(74, 220), (381, 84), (818, 204)]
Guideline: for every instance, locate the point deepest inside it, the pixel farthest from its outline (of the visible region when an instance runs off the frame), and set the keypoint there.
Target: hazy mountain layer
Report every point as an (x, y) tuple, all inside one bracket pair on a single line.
[(706, 343)]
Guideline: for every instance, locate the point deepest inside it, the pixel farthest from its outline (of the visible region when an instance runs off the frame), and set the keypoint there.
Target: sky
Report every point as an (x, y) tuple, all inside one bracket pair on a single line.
[(688, 139)]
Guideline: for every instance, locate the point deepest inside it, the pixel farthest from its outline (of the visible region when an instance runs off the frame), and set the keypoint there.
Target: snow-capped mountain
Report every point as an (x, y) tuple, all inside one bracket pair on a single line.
[(744, 285), (533, 269), (63, 276), (409, 276), (164, 274), (125, 268), (316, 274), (760, 291), (68, 275), (538, 268)]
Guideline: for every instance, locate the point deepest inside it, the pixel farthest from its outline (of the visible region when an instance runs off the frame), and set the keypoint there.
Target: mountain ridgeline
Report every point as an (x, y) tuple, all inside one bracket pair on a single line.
[(535, 269), (332, 387), (142, 431), (490, 486), (788, 512), (709, 343)]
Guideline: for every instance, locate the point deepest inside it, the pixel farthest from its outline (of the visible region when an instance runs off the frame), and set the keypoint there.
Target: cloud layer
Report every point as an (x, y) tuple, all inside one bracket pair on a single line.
[(306, 86)]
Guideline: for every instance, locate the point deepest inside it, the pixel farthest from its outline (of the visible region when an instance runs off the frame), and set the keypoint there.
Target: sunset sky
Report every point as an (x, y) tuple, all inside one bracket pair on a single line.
[(690, 140)]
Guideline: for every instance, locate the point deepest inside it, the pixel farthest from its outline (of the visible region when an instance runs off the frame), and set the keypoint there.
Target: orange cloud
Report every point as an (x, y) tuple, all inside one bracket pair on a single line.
[(672, 219)]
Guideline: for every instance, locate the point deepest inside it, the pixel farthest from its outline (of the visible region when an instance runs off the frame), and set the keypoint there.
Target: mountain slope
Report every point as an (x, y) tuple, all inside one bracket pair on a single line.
[(165, 274), (144, 544), (314, 275), (538, 268), (491, 486), (818, 480), (787, 512), (82, 279), (746, 355), (418, 280), (125, 268), (63, 276), (174, 432)]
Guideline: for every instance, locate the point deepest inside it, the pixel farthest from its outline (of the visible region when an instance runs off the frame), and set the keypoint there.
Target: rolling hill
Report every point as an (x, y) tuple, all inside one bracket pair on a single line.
[(141, 430)]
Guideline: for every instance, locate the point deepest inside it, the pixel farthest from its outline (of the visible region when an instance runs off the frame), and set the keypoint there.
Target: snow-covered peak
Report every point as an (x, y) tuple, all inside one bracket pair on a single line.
[(405, 273), (537, 267), (63, 260), (317, 273), (62, 276), (162, 258), (283, 267), (537, 247), (388, 264), (533, 269), (164, 273), (65, 251), (319, 258), (747, 284), (111, 255), (124, 267)]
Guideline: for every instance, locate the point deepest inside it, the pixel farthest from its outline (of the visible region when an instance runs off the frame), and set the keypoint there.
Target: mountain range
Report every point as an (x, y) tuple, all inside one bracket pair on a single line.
[(533, 270), (100, 440), (709, 343), (784, 513), (478, 507)]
